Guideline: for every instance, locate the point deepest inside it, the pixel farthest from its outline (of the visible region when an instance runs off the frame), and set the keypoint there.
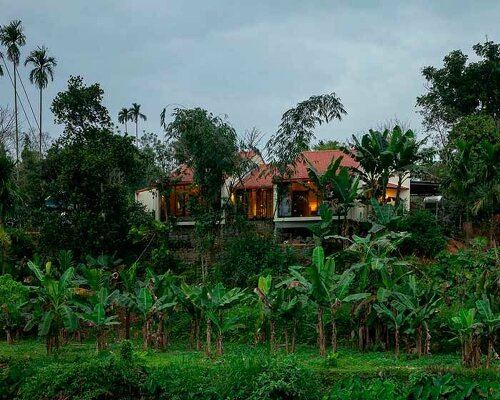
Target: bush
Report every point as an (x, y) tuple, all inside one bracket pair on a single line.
[(98, 378), (285, 379), (248, 256), (426, 237)]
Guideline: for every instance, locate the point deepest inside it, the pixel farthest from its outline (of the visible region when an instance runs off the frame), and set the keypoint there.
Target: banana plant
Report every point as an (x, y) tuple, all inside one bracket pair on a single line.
[(151, 304), (128, 284), (189, 297), (96, 315), (420, 304), (491, 322), (216, 301), (375, 268), (162, 288), (395, 318), (270, 302), (55, 297), (326, 289), (467, 329)]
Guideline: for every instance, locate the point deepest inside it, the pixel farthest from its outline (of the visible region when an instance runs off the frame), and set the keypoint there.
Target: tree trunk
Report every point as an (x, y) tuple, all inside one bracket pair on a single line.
[(40, 138), (294, 335), (209, 338), (272, 328), (220, 348), (136, 132), (198, 333), (15, 114), (285, 331), (334, 329), (8, 333), (398, 190), (396, 342), (127, 324), (491, 349), (428, 338), (419, 341), (192, 333), (160, 332), (321, 333)]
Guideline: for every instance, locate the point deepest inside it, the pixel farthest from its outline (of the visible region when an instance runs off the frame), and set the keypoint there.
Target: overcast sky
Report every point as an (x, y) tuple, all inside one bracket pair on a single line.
[(250, 60)]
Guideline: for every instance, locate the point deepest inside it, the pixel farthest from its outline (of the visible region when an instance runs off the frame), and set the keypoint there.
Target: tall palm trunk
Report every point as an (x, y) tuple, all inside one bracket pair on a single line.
[(136, 130), (40, 138), (15, 112)]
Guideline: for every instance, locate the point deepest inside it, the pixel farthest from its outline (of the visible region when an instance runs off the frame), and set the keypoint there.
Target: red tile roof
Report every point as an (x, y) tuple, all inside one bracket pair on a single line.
[(183, 175), (320, 159), (259, 178)]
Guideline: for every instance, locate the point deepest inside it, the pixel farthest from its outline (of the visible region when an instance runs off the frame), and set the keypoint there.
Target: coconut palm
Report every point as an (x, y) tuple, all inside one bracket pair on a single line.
[(135, 115), (12, 37), (43, 69), (123, 116)]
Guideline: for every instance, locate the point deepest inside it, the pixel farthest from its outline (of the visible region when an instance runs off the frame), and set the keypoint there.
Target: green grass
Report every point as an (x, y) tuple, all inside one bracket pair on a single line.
[(350, 362), (180, 373)]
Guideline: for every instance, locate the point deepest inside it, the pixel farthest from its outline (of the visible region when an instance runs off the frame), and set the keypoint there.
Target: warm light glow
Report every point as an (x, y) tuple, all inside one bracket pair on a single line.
[(232, 198), (313, 206)]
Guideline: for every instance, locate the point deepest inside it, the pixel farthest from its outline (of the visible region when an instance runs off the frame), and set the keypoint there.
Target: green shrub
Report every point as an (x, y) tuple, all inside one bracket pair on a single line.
[(97, 378), (284, 379), (426, 237), (246, 257), (360, 389), (126, 351)]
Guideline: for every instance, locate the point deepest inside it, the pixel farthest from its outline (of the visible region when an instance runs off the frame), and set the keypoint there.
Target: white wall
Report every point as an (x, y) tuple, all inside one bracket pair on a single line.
[(150, 198)]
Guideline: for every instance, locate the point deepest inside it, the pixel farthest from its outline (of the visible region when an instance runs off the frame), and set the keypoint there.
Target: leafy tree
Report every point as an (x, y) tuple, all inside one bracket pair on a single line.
[(8, 187), (43, 69), (208, 145), (459, 89), (296, 130), (80, 109), (135, 115), (13, 37), (13, 296), (55, 297), (90, 175)]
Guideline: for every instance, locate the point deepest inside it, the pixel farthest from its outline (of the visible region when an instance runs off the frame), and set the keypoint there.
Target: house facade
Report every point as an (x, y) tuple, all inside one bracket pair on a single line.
[(289, 203)]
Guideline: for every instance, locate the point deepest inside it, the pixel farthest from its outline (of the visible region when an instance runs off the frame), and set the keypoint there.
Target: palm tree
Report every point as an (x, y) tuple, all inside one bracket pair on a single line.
[(135, 114), (12, 37), (43, 69), (1, 70), (123, 116)]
